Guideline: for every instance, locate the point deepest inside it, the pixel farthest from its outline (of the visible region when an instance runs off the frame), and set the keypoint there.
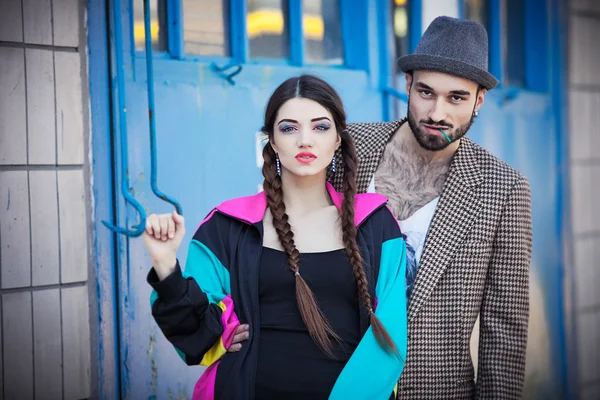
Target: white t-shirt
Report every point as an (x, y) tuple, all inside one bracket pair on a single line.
[(417, 225), (415, 229)]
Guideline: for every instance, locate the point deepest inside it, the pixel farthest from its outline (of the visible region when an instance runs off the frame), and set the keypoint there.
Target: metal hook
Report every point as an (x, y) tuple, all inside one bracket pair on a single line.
[(229, 77), (151, 113), (123, 132)]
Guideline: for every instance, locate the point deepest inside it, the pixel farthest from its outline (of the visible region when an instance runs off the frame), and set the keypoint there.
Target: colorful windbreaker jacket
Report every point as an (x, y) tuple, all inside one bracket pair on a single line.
[(200, 309)]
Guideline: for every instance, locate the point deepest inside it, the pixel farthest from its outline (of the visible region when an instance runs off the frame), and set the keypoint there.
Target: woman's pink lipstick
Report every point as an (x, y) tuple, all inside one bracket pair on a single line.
[(306, 158)]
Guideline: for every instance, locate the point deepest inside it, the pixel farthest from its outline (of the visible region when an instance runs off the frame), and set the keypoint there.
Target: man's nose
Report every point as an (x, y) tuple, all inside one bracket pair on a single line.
[(438, 111)]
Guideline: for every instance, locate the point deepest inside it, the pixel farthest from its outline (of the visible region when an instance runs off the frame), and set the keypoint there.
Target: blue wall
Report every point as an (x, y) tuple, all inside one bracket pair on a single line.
[(206, 133)]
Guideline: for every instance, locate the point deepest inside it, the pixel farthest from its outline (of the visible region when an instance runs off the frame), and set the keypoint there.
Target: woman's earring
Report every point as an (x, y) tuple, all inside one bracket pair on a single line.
[(333, 164), (278, 164)]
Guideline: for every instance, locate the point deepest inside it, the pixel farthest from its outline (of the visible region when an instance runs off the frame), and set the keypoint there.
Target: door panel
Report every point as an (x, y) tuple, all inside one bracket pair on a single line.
[(207, 153)]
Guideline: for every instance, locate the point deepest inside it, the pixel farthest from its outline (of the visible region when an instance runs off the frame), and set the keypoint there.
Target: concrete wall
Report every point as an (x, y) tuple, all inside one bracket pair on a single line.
[(44, 201), (584, 99)]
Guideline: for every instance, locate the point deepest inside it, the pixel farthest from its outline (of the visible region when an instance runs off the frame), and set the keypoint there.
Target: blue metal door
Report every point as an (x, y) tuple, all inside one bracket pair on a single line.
[(209, 106), (208, 112)]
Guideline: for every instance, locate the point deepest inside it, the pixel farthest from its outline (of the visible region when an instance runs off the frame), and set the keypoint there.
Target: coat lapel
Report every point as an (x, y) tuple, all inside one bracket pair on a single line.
[(370, 140), (458, 206)]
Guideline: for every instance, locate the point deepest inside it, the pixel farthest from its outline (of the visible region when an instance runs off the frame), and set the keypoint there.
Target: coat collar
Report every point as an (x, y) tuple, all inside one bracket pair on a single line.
[(371, 140), (251, 209)]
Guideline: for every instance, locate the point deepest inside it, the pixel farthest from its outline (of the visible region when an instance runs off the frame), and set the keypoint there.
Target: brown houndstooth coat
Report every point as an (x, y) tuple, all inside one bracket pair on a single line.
[(475, 261)]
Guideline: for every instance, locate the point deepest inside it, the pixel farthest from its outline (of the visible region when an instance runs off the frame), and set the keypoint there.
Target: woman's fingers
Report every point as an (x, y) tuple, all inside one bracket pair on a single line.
[(170, 227), (177, 218), (155, 226), (164, 227), (179, 228), (149, 225)]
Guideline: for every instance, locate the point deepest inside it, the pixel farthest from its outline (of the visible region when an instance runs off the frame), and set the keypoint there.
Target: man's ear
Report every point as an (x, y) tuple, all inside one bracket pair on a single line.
[(480, 99), (409, 78)]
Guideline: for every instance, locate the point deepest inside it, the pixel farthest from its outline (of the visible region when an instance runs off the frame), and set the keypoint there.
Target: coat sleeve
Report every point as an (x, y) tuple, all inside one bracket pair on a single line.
[(505, 307), (194, 308)]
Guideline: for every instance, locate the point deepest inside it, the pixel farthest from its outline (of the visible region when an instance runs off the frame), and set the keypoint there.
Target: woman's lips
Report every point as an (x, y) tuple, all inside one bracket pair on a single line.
[(306, 158)]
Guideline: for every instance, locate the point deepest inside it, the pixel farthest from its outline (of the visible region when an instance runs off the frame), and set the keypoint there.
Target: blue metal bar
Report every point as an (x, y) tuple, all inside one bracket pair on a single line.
[(295, 18), (383, 35), (461, 9), (120, 71), (151, 113), (399, 95), (496, 39), (355, 36), (384, 22), (558, 54), (415, 23), (536, 54), (238, 26), (175, 28), (105, 262)]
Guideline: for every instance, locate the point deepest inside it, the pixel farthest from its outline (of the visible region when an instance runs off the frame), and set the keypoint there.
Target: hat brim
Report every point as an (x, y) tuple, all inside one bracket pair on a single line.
[(427, 62)]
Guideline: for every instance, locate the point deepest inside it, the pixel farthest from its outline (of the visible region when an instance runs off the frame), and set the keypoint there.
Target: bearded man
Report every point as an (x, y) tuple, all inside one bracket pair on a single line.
[(466, 216)]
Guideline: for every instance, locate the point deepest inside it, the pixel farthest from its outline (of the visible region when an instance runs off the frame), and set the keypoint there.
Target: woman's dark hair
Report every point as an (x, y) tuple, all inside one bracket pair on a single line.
[(313, 88)]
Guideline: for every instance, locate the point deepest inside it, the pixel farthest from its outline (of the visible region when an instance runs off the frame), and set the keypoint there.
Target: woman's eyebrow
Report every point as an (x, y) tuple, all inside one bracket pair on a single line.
[(293, 121)]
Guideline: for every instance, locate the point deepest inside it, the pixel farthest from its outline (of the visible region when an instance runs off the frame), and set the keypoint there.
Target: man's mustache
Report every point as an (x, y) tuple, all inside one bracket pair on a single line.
[(439, 123)]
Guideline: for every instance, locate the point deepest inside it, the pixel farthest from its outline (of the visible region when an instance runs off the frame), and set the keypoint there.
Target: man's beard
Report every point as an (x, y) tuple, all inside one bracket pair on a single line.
[(434, 142)]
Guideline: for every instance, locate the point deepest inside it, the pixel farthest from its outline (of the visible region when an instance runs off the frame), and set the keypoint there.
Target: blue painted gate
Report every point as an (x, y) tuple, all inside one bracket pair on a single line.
[(208, 151)]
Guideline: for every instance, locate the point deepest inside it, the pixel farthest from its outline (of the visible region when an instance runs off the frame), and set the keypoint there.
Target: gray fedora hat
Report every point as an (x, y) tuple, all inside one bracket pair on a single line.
[(453, 46)]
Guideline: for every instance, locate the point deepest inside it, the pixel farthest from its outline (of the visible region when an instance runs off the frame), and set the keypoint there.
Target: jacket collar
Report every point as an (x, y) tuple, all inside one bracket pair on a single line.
[(251, 209)]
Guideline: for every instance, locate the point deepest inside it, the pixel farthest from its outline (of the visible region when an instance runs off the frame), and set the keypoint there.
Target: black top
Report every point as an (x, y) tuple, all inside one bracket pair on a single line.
[(290, 364)]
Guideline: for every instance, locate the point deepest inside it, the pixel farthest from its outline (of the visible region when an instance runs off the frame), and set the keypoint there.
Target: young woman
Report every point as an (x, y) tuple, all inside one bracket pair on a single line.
[(317, 275)]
